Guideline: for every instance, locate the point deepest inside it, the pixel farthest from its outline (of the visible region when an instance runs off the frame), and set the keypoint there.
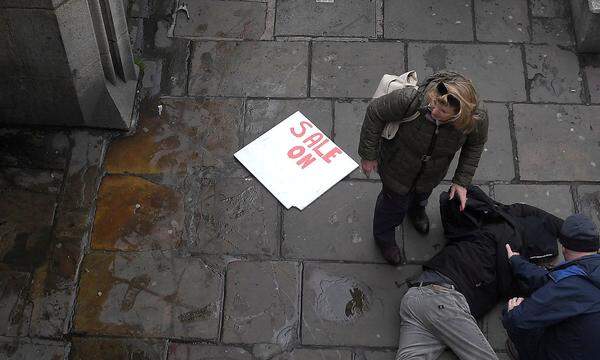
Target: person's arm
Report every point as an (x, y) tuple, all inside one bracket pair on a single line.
[(382, 110), (549, 305), (471, 151), (532, 275)]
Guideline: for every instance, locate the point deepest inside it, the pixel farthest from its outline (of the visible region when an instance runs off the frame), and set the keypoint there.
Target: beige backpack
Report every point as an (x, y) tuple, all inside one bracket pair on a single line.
[(388, 84)]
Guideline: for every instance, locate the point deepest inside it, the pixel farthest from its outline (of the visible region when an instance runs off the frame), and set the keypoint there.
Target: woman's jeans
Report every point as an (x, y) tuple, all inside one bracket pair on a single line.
[(390, 209)]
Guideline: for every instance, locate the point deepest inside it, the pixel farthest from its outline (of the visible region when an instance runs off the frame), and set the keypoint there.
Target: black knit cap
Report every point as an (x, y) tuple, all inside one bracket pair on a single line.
[(579, 233)]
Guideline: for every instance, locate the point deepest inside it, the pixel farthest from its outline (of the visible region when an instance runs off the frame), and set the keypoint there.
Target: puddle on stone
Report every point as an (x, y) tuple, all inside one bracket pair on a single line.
[(339, 299), (136, 214)]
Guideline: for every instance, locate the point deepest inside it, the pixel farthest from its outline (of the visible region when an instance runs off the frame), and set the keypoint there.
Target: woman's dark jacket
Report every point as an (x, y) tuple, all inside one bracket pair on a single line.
[(475, 256), (399, 159)]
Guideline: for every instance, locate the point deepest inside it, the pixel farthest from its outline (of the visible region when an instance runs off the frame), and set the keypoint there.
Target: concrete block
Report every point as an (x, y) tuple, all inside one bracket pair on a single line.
[(350, 18), (428, 20), (496, 70), (557, 142)]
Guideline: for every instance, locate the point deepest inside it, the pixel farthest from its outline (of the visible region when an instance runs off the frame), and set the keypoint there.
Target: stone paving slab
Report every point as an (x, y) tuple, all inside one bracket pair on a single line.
[(342, 300), (35, 149), (25, 238), (592, 75), (337, 71), (235, 216), (555, 199), (428, 20), (343, 216), (149, 294), (496, 161), (237, 68), (196, 351), (25, 349), (262, 115), (14, 292), (187, 135), (352, 18), (349, 118), (493, 328), (553, 74), (589, 202), (505, 21), (262, 302), (134, 214), (34, 180), (557, 142), (310, 354), (420, 248), (92, 348), (222, 19), (496, 70), (549, 8), (553, 31)]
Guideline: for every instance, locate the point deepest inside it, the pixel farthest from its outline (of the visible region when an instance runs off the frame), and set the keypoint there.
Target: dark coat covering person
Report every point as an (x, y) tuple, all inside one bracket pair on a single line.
[(417, 158), (561, 317), (470, 274)]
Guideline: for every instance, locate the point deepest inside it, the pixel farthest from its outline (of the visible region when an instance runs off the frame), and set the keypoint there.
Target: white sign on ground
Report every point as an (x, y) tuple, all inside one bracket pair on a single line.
[(295, 161)]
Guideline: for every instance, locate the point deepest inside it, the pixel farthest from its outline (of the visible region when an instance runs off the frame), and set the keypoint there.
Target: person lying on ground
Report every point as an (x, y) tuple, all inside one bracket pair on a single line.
[(470, 275), (561, 317)]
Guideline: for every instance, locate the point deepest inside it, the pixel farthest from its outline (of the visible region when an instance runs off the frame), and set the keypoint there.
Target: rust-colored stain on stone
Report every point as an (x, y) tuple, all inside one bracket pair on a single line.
[(187, 134), (136, 214)]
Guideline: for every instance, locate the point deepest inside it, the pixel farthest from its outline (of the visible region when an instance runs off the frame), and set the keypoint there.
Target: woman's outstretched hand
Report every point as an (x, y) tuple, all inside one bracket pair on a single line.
[(461, 192)]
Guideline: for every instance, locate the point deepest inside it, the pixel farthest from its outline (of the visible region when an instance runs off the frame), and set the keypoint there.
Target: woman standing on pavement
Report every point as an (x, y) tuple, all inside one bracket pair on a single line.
[(417, 158)]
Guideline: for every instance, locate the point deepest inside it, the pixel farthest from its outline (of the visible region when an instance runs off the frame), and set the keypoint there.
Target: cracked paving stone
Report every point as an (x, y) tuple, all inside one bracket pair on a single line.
[(555, 199), (24, 349), (222, 19), (421, 248), (342, 300), (149, 294), (428, 20), (25, 229), (87, 348), (345, 221), (310, 354), (14, 309), (553, 74), (197, 351), (502, 21), (549, 8), (348, 123), (496, 161), (34, 180), (262, 115), (496, 70), (350, 18), (249, 68), (135, 214), (261, 303), (35, 149), (338, 72), (553, 31), (589, 202), (235, 216), (187, 136), (557, 142)]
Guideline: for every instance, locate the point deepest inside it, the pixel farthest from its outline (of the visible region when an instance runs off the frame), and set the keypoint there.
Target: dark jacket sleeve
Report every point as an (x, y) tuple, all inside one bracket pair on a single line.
[(532, 275), (471, 152), (387, 108), (549, 305)]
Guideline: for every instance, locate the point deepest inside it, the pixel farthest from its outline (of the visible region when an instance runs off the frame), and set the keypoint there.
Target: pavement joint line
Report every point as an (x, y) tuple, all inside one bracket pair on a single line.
[(188, 61), (379, 19), (530, 21), (405, 57), (513, 141), (300, 307), (574, 189), (333, 121), (223, 298), (473, 21), (526, 75), (309, 68), (585, 94), (280, 217)]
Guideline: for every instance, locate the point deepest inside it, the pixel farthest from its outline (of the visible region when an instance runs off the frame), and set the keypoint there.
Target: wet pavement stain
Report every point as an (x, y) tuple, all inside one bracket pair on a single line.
[(187, 135), (436, 58), (340, 299), (136, 214), (358, 305)]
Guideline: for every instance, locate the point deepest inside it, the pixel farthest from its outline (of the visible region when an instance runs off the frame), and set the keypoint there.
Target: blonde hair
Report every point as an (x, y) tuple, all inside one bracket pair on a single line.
[(462, 89)]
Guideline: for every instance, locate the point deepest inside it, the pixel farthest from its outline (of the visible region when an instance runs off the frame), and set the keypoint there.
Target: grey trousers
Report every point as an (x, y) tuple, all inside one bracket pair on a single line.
[(434, 318)]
